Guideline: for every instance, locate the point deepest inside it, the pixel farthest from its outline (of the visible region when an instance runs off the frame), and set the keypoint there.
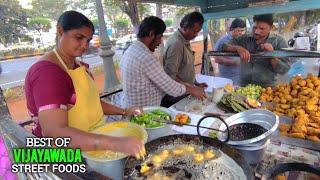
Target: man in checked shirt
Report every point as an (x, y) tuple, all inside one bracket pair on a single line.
[(144, 79)]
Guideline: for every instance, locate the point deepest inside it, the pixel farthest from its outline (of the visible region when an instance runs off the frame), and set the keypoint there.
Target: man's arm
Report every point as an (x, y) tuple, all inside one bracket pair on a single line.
[(224, 60), (227, 61), (279, 65), (243, 53)]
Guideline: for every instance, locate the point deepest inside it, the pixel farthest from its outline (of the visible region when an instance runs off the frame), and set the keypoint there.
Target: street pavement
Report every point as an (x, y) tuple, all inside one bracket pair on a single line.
[(14, 71)]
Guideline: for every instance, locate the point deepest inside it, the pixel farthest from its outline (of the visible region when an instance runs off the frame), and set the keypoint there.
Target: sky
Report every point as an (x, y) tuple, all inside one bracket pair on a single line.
[(25, 3)]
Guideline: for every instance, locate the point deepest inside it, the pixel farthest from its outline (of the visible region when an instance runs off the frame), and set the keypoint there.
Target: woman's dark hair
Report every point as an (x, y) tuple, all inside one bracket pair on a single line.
[(70, 20), (267, 18), (190, 19), (237, 23), (151, 23)]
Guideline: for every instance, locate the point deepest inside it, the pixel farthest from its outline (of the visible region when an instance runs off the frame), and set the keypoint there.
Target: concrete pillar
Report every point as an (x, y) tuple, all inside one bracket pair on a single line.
[(105, 51), (206, 67)]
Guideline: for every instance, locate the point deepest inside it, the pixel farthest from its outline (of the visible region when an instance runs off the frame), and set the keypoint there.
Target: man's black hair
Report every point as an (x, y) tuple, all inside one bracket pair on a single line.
[(151, 23), (190, 19), (237, 23), (267, 18)]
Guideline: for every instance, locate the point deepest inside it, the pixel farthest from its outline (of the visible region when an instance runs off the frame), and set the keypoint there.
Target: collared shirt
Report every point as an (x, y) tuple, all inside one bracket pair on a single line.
[(230, 72), (144, 80), (260, 71), (178, 58)]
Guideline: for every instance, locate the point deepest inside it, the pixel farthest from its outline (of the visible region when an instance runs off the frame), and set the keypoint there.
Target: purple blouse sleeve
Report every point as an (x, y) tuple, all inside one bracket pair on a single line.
[(51, 87)]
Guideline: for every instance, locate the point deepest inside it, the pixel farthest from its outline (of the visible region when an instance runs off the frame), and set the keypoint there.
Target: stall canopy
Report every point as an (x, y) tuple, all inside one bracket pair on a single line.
[(214, 9)]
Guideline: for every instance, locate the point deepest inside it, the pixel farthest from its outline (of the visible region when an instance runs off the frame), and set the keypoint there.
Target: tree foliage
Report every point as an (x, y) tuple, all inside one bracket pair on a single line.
[(121, 25), (130, 8), (40, 24), (51, 9), (12, 21), (168, 22)]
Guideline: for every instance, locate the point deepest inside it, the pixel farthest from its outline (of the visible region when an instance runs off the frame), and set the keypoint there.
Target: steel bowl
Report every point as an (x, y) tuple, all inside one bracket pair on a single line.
[(165, 130), (253, 154), (113, 168), (264, 118)]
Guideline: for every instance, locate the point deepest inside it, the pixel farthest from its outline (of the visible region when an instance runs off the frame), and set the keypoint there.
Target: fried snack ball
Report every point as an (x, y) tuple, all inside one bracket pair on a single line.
[(198, 157), (296, 87), (285, 106), (284, 127), (310, 85), (294, 93), (276, 99), (288, 97), (302, 83)]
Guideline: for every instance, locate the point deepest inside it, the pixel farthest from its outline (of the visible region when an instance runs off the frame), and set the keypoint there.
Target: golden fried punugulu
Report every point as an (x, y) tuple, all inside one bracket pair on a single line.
[(145, 168), (297, 135), (288, 97), (295, 100), (164, 154), (276, 100), (316, 82), (283, 100), (284, 106), (209, 154), (278, 109), (178, 151), (293, 82), (302, 83), (297, 78), (311, 108), (156, 159), (189, 148), (294, 93), (198, 157), (284, 127), (296, 87), (310, 85)]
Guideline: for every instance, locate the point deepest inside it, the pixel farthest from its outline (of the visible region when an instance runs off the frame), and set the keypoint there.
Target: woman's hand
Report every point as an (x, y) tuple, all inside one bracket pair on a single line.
[(130, 146), (133, 111)]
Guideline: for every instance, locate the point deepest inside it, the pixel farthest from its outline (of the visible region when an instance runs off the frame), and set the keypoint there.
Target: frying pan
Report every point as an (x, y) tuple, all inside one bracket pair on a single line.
[(132, 164), (285, 167)]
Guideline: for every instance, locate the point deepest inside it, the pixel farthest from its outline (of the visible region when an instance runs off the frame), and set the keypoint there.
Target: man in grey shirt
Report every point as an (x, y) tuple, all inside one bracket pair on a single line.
[(260, 71), (178, 57), (229, 66)]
